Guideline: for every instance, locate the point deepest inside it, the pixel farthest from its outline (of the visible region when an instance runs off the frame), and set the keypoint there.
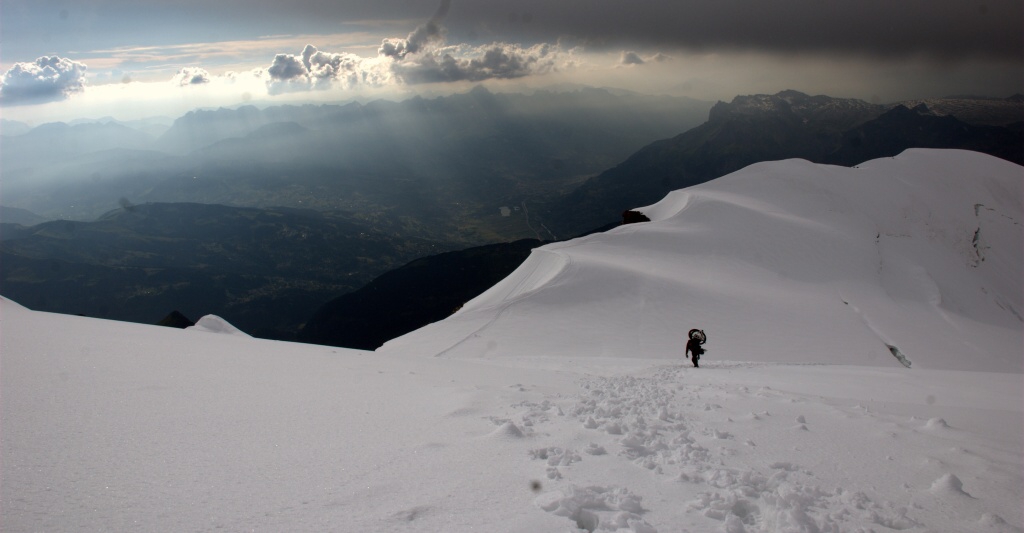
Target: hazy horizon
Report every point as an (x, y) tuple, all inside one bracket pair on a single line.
[(64, 60)]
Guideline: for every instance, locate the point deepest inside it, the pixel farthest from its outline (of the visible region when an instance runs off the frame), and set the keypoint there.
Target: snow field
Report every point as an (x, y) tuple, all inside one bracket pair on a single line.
[(111, 427), (782, 261), (755, 458), (114, 426), (560, 400)]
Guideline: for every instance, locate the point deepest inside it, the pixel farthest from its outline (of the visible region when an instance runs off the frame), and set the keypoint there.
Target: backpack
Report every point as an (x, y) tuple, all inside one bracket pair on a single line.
[(698, 335)]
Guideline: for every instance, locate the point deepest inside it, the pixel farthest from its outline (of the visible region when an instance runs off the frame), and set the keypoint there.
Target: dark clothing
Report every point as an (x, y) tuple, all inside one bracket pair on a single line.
[(693, 346)]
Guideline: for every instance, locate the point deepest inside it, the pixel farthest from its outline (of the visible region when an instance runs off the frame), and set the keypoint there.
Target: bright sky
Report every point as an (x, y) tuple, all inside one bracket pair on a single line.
[(64, 59)]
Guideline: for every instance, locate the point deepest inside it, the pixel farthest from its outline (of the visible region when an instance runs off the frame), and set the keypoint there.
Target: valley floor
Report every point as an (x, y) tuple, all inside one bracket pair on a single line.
[(118, 427)]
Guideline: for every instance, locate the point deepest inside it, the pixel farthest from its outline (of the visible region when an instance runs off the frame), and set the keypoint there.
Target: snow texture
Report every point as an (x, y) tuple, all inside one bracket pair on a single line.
[(216, 324), (799, 420), (786, 261)]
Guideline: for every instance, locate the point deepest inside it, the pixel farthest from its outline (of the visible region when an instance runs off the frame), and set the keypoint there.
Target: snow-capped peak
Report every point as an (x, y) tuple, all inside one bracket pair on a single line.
[(784, 261)]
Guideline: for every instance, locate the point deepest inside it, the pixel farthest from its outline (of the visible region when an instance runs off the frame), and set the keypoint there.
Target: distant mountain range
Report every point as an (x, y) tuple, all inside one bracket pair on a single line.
[(385, 183), (446, 165), (790, 124), (976, 110), (901, 128)]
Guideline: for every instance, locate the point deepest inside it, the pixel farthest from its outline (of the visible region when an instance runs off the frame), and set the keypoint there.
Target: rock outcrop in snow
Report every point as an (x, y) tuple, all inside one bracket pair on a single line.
[(921, 251)]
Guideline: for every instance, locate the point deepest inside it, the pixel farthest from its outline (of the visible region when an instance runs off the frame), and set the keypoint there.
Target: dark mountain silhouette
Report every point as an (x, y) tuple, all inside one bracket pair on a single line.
[(901, 128), (264, 270), (748, 130), (976, 110), (423, 291), (758, 128)]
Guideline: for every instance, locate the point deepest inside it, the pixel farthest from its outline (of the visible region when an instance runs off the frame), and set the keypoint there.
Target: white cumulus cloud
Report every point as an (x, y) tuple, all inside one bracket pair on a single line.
[(421, 57), (191, 76), (478, 63), (48, 78), (316, 69)]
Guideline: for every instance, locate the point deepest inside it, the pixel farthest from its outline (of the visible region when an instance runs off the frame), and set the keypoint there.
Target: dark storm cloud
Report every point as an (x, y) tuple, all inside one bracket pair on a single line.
[(881, 28), (420, 37), (938, 30), (952, 29), (431, 31), (46, 79), (956, 29)]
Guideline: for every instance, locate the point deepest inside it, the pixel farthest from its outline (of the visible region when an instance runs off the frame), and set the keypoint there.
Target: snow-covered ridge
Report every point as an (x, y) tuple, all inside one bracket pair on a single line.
[(781, 261), (216, 324)]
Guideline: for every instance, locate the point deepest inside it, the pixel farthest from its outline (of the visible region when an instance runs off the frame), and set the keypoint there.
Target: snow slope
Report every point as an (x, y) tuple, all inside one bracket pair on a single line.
[(782, 261), (216, 324), (108, 426)]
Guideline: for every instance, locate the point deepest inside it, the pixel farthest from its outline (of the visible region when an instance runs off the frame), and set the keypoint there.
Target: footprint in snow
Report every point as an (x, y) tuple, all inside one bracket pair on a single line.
[(995, 523), (596, 508), (949, 484)]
